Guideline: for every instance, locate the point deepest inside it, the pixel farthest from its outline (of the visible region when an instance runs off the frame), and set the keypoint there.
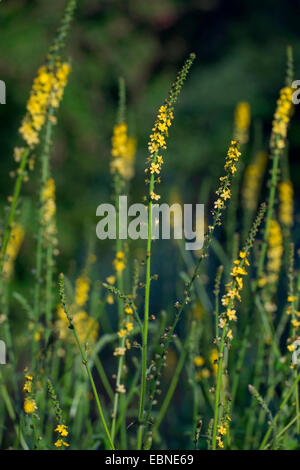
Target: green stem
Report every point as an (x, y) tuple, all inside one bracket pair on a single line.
[(119, 247), (218, 386), (172, 386), (146, 319), (84, 360)]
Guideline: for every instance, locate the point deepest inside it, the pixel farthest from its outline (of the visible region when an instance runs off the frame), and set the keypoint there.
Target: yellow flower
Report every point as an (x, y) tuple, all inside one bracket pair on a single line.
[(47, 91), (222, 430), (27, 387), (282, 118), (229, 335), (238, 270), (220, 442), (242, 122), (111, 279), (62, 430), (129, 326), (213, 360), (123, 152), (122, 333), (12, 249), (82, 290), (275, 251), (205, 373), (253, 180), (29, 405), (120, 389), (219, 204), (198, 361), (291, 298), (119, 262), (119, 351), (226, 194), (231, 314), (154, 168), (61, 443), (291, 347), (154, 196), (128, 310), (286, 206)]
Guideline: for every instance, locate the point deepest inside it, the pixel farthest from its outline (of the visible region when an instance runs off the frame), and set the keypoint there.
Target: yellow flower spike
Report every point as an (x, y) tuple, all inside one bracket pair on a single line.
[(286, 203), (47, 90)]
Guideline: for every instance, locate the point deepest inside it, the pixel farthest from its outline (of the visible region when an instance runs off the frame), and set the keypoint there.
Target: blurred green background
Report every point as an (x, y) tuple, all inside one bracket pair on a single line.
[(241, 56), (240, 49)]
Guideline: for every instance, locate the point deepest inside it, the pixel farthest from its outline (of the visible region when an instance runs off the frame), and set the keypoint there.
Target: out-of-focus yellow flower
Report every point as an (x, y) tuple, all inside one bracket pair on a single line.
[(86, 326), (253, 179), (286, 203), (198, 361), (82, 290), (213, 358), (123, 152), (242, 118), (110, 299), (49, 210), (12, 249), (119, 262), (275, 251)]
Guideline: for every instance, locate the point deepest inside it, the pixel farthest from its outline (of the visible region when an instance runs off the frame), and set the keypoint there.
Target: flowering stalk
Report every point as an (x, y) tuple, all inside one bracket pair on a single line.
[(28, 131), (50, 84), (61, 291), (155, 161), (223, 193), (233, 292), (277, 143)]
